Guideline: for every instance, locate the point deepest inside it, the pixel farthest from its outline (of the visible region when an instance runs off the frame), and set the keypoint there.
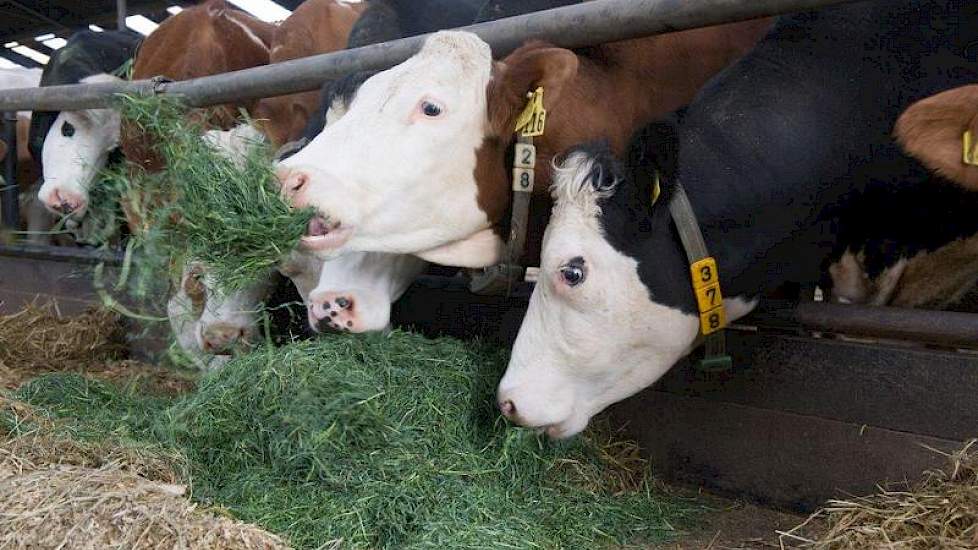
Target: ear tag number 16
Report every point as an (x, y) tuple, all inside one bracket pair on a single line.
[(533, 119)]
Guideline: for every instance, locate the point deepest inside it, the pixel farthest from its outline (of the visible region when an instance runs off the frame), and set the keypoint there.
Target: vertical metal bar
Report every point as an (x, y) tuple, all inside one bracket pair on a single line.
[(120, 10), (10, 196)]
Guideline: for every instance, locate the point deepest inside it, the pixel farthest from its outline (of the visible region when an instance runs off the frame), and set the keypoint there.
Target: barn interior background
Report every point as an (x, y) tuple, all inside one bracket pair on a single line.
[(822, 398)]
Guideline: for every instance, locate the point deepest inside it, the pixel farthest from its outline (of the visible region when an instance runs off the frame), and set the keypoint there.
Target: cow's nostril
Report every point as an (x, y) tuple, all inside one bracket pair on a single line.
[(508, 408)]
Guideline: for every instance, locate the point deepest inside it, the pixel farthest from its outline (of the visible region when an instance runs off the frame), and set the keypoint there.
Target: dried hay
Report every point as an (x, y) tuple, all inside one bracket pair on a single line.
[(940, 511), (39, 340), (56, 492), (38, 337)]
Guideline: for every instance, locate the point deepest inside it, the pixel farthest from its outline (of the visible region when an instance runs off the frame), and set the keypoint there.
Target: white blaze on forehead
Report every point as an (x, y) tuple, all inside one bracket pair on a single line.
[(585, 347), (399, 180), (574, 192)]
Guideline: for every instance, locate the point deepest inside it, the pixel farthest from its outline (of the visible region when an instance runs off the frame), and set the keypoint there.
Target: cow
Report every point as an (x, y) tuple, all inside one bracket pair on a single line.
[(355, 291), (916, 245), (768, 155), (204, 40), (210, 324), (73, 146), (385, 20), (315, 27), (419, 163), (352, 292)]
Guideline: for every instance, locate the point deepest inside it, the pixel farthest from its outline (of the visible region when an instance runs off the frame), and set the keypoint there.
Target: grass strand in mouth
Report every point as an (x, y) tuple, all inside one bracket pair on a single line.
[(229, 215)]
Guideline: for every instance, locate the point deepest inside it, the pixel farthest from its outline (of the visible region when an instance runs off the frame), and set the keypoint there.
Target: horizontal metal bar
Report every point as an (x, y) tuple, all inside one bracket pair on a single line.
[(586, 24), (948, 328), (62, 254)]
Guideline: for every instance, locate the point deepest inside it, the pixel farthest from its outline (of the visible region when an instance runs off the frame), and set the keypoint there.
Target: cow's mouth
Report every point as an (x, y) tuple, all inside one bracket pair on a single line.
[(324, 234)]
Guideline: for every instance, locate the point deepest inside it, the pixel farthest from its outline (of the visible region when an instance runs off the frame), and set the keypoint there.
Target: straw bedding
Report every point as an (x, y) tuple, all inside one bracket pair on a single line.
[(939, 511), (57, 492)]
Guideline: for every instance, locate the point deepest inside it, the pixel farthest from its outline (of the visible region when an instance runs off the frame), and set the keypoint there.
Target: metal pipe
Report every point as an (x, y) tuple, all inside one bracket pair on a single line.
[(10, 197), (89, 256), (948, 328), (579, 25), (120, 14)]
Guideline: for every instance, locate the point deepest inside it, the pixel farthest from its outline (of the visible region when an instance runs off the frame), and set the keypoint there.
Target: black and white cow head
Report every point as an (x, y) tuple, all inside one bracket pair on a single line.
[(613, 308), (75, 149)]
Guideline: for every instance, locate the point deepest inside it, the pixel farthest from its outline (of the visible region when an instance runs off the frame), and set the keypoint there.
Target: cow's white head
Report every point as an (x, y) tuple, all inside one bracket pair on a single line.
[(613, 308), (416, 163), (356, 290), (209, 322), (76, 147)]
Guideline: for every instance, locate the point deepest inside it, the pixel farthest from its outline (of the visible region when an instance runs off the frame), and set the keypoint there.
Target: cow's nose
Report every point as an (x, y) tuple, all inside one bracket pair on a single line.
[(335, 310), (508, 408), (63, 201), (220, 337), (294, 184)]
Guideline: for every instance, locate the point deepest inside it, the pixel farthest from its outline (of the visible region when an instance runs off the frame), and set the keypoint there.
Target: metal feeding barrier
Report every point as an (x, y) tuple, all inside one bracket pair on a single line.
[(580, 25)]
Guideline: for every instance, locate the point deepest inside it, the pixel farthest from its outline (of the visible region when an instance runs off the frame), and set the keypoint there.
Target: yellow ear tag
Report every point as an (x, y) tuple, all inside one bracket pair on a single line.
[(656, 188), (533, 119), (970, 150)]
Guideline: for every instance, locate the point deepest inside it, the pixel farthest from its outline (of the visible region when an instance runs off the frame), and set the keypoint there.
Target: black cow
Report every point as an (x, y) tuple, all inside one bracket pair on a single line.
[(769, 154), (385, 20)]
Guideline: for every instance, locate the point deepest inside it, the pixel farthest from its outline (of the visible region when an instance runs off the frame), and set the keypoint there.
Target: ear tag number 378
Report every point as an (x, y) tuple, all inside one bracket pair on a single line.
[(709, 300), (533, 119)]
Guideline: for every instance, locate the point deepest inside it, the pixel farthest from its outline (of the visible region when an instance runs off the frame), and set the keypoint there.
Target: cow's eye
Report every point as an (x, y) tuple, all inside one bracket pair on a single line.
[(573, 272), (430, 109), (67, 129)]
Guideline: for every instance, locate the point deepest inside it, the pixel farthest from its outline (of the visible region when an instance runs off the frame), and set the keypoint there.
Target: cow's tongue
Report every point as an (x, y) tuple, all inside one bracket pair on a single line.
[(319, 227)]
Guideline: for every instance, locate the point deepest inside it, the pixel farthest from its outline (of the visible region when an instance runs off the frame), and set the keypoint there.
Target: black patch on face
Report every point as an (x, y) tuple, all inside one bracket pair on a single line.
[(631, 224), (87, 53)]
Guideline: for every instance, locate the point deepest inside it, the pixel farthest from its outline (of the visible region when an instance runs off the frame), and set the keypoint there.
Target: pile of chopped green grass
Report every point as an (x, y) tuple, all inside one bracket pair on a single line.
[(381, 442), (228, 214)]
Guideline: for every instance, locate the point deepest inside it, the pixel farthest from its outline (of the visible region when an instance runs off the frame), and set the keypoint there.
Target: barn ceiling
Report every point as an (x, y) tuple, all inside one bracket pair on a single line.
[(37, 25)]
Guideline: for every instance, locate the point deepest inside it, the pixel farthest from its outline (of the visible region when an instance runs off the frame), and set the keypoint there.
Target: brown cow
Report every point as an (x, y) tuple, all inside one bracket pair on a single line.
[(916, 245), (439, 184), (315, 27), (205, 40)]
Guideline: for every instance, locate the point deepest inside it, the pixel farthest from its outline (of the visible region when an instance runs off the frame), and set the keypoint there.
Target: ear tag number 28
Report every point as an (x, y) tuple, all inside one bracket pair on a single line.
[(709, 300), (533, 119)]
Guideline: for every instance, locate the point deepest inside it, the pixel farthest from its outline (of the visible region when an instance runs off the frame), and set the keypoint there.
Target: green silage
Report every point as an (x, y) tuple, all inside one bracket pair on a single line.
[(204, 205), (378, 442)]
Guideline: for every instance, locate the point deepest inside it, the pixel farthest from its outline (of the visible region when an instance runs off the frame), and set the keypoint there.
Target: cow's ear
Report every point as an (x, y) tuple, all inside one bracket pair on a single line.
[(523, 71), (933, 131)]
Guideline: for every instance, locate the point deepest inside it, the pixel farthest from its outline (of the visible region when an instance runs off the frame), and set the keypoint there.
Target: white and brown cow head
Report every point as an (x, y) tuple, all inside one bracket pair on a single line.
[(416, 164), (355, 291), (211, 325)]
